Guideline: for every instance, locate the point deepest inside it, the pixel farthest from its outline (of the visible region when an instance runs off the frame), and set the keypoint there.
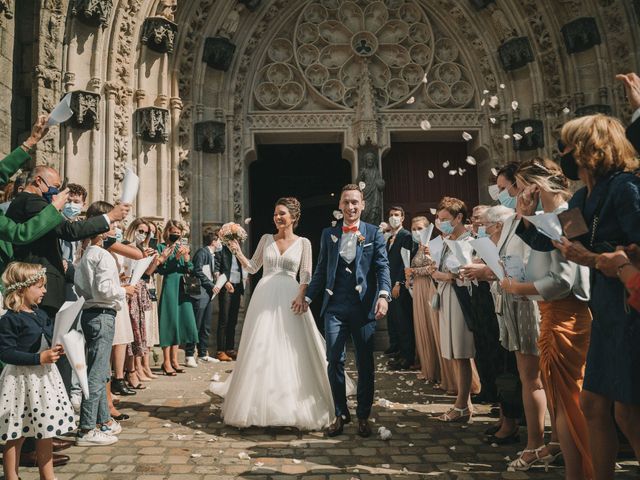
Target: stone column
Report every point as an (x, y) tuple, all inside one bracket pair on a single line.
[(175, 109)]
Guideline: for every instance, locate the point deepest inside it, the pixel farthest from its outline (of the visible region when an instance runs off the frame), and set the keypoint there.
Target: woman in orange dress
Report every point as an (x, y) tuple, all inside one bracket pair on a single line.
[(562, 291)]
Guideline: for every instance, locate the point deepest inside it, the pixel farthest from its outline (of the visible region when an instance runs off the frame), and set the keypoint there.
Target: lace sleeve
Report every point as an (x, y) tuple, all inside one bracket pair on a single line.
[(255, 263), (306, 262)]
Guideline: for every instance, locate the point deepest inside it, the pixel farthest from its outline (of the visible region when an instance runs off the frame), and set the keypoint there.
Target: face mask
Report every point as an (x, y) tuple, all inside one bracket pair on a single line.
[(118, 235), (539, 207), (108, 242), (416, 236), (420, 236), (140, 238), (507, 200), (482, 232), (494, 191), (568, 163), (71, 209), (174, 237), (217, 248), (387, 236), (395, 222), (445, 227), (51, 191)]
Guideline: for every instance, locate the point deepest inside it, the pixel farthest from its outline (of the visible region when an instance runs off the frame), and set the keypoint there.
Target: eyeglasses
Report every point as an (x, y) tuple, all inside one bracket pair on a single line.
[(143, 232)]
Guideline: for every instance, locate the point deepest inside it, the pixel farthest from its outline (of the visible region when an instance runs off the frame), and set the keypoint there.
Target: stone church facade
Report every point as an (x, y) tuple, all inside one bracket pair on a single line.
[(185, 91)]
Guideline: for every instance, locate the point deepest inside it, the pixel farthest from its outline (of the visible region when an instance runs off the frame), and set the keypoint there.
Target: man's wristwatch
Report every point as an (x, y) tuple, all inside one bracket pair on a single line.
[(386, 296)]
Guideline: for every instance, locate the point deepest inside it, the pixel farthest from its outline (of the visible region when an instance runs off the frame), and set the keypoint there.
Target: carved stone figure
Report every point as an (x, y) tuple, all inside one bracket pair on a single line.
[(210, 137), (86, 113), (503, 28), (230, 25), (218, 53), (515, 53), (581, 34), (159, 34), (6, 8), (152, 124), (167, 9), (374, 187), (93, 12)]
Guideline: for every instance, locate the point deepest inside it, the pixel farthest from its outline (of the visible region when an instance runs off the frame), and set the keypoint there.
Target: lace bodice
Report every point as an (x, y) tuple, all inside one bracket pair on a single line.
[(297, 258), (421, 263)]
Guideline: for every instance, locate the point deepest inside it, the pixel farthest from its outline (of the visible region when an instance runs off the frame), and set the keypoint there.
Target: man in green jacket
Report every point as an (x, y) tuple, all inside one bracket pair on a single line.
[(49, 218)]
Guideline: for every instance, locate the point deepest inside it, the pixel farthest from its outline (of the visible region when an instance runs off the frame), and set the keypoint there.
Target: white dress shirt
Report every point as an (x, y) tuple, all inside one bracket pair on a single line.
[(635, 115), (97, 279), (235, 276), (348, 244)]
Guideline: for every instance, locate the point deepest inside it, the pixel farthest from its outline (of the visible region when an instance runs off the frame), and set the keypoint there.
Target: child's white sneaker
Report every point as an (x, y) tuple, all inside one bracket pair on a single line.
[(95, 438), (111, 428), (191, 362)]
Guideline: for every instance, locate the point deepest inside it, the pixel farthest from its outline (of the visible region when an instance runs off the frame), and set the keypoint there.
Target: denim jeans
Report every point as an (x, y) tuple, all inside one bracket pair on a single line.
[(98, 329), (203, 310)]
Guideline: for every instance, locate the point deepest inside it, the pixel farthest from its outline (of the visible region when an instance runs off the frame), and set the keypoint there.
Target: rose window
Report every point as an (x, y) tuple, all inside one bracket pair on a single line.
[(335, 41)]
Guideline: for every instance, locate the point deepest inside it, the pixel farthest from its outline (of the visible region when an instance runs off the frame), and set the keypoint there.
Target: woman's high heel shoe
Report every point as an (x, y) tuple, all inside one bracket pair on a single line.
[(521, 465), (455, 414), (177, 369), (167, 373), (551, 457), (119, 387), (137, 386)]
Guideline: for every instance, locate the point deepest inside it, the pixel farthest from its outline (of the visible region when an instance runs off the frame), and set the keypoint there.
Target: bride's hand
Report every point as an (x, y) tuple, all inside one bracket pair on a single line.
[(234, 246), (299, 305)]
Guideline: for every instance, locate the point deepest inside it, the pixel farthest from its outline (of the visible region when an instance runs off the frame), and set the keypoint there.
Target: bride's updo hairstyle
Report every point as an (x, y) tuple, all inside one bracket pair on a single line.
[(293, 205)]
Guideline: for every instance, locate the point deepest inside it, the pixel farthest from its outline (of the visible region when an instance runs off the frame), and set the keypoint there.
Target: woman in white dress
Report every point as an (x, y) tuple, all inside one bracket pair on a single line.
[(280, 378)]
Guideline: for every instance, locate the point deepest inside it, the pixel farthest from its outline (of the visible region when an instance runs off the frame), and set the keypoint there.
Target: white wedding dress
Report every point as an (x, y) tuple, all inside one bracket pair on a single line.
[(280, 377)]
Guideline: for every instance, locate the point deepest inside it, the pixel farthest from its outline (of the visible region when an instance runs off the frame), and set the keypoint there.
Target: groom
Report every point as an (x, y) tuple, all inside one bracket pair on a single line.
[(353, 273)]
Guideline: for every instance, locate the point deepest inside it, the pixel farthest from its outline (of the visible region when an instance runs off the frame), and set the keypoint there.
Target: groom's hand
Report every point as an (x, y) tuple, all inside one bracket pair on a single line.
[(381, 308), (299, 306)]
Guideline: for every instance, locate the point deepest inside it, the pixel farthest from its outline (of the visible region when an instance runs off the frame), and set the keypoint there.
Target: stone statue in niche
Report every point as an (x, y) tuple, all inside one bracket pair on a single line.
[(374, 187), (6, 8), (581, 34), (503, 28), (230, 25), (515, 53), (85, 106), (159, 34), (93, 12), (167, 9), (152, 124), (210, 137), (218, 53)]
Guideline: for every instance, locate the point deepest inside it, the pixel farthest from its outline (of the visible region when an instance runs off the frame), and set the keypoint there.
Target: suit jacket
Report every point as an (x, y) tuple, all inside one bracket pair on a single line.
[(46, 250), (372, 266), (633, 134), (396, 265), (12, 233), (203, 257), (226, 257)]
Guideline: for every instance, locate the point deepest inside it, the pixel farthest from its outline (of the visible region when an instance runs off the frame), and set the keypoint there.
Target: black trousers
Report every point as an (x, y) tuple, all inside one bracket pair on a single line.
[(401, 315), (229, 304)]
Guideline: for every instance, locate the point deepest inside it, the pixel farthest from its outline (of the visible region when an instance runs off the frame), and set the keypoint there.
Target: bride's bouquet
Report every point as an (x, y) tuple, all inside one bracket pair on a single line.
[(232, 231)]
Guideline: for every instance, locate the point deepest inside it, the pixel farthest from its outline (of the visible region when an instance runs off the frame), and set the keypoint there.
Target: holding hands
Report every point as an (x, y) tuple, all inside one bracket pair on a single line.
[(52, 355), (299, 305)]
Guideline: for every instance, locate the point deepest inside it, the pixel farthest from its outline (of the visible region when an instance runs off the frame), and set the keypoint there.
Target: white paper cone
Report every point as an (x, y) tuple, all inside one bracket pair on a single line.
[(62, 112), (548, 224), (222, 279), (488, 251), (74, 344), (129, 186), (139, 268), (65, 318)]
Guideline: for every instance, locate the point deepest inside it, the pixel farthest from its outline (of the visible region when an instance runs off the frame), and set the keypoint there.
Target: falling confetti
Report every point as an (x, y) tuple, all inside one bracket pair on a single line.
[(493, 120), (334, 239), (493, 101), (445, 164), (411, 100), (471, 161), (329, 292), (514, 105), (334, 223), (433, 211), (482, 102), (485, 92), (566, 110), (453, 449), (517, 136), (462, 171), (528, 129), (494, 172), (425, 124), (362, 185), (466, 136), (424, 79), (502, 86), (359, 288), (506, 136), (453, 172), (337, 214), (247, 221), (430, 174)]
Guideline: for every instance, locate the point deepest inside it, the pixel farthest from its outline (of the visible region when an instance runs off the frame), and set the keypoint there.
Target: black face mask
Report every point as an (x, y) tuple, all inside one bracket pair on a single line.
[(568, 163), (174, 237)]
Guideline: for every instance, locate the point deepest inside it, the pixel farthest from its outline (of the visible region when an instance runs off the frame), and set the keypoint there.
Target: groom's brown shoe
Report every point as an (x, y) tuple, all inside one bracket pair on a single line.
[(364, 428), (337, 427)]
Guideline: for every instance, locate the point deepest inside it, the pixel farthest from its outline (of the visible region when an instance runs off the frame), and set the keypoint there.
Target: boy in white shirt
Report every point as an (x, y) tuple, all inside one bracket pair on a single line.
[(97, 280)]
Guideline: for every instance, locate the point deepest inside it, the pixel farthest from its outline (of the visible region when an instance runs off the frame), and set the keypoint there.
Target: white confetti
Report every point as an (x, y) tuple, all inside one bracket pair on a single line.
[(514, 105), (334, 223), (167, 425), (411, 444), (400, 425), (334, 239), (216, 377), (359, 288), (462, 171), (433, 211), (453, 172), (384, 433), (493, 120), (244, 456), (362, 185), (485, 92), (517, 136), (466, 136), (196, 455), (445, 164), (506, 136), (503, 86), (337, 214), (296, 461), (493, 101), (330, 292), (259, 464), (409, 382), (483, 102), (471, 161), (384, 403), (528, 130), (247, 221), (566, 110), (452, 448), (494, 445), (411, 100), (425, 124), (494, 172), (430, 174), (424, 79), (385, 465), (348, 270)]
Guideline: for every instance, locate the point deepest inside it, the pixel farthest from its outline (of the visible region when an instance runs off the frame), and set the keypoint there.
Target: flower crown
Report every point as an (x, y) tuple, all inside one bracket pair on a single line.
[(32, 280)]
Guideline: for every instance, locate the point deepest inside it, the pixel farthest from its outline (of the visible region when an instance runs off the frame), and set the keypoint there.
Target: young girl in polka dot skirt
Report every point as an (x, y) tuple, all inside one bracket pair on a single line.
[(33, 401)]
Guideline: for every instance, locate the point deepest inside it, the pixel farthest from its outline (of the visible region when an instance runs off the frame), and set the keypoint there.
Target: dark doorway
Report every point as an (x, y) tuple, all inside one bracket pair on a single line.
[(313, 173), (405, 169)]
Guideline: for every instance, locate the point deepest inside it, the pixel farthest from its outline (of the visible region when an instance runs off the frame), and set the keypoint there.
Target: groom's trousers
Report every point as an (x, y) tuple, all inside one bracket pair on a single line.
[(341, 320)]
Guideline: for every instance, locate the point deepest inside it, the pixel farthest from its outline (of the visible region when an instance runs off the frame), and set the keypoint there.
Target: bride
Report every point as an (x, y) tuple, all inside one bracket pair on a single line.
[(280, 378)]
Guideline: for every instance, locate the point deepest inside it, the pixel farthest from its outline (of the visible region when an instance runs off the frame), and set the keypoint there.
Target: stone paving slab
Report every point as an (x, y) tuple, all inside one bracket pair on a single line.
[(175, 432)]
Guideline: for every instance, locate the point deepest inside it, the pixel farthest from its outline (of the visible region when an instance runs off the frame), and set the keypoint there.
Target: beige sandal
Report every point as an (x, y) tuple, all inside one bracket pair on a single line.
[(457, 415), (521, 465)]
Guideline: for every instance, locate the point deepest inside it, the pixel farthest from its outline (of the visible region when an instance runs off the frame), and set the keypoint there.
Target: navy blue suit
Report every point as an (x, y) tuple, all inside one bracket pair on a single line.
[(349, 302)]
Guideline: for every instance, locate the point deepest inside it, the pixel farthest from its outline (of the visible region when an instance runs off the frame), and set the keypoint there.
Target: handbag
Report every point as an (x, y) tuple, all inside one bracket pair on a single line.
[(190, 285)]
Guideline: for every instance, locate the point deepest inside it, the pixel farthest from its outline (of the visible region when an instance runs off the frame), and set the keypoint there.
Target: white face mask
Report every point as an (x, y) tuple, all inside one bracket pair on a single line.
[(494, 191), (420, 236), (140, 238), (395, 222)]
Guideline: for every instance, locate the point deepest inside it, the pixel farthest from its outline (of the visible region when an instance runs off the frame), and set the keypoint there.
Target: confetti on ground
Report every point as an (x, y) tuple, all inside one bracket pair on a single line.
[(424, 79), (196, 455), (471, 161), (384, 433), (167, 425), (244, 456), (466, 136), (259, 464), (296, 461), (384, 403), (216, 377)]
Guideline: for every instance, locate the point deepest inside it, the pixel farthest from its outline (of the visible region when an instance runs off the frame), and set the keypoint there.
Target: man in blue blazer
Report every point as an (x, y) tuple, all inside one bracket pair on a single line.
[(353, 273)]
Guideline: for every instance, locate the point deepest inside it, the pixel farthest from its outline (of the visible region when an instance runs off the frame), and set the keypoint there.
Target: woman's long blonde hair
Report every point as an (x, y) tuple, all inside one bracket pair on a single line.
[(546, 174), (599, 145), (16, 279)]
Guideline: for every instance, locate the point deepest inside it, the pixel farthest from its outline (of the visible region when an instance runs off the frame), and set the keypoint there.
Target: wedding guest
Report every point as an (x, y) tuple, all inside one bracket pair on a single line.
[(205, 265), (30, 384), (562, 290), (625, 265), (456, 339), (631, 83), (400, 316), (176, 319), (595, 150), (151, 315)]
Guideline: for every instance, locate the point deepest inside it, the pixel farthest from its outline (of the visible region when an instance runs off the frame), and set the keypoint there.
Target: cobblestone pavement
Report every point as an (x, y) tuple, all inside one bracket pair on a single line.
[(176, 433)]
